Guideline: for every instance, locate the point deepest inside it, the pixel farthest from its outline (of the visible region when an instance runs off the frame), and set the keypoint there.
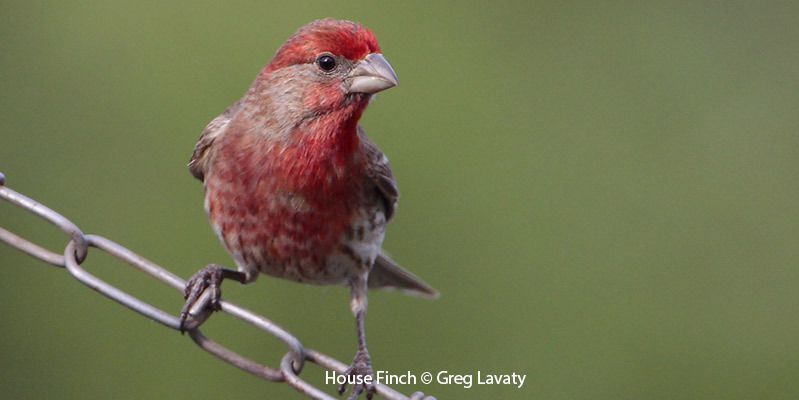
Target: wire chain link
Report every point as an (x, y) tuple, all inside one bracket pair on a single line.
[(76, 251)]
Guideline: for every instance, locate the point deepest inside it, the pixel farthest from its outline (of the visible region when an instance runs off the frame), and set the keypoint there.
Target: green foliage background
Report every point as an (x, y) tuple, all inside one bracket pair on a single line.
[(604, 192)]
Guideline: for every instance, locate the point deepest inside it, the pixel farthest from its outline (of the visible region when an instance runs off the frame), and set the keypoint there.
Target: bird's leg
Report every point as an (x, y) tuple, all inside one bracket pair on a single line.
[(361, 367), (209, 277)]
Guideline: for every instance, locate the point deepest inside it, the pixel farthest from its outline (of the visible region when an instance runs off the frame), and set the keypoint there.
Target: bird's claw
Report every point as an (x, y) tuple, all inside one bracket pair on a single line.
[(357, 372), (209, 278)]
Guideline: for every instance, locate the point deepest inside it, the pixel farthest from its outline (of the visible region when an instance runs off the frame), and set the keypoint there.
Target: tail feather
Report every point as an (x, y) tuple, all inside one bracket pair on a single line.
[(387, 274)]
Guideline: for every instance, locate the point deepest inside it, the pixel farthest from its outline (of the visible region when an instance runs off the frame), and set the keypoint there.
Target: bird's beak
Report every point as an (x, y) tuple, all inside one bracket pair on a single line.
[(371, 75)]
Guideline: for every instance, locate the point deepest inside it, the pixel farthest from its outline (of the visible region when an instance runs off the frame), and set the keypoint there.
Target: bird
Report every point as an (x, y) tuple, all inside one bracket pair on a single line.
[(294, 188)]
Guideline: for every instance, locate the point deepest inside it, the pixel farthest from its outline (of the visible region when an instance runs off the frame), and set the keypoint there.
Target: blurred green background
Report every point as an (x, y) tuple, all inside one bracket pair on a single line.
[(605, 194)]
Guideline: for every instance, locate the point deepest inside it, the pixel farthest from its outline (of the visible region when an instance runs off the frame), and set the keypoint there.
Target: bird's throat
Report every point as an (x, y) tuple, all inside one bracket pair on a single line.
[(321, 158)]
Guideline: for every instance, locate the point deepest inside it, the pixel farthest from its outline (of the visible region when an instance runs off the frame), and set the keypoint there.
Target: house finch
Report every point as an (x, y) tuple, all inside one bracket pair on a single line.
[(293, 186)]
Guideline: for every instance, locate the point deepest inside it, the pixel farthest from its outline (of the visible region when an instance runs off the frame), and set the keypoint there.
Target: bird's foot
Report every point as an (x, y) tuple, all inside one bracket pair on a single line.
[(210, 278), (361, 375)]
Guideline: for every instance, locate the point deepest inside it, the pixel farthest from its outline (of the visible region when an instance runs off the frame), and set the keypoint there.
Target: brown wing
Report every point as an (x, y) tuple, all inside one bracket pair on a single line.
[(199, 158), (387, 274), (378, 171)]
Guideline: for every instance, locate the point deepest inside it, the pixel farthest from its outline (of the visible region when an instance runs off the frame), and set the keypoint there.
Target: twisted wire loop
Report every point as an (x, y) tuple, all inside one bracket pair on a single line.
[(76, 251)]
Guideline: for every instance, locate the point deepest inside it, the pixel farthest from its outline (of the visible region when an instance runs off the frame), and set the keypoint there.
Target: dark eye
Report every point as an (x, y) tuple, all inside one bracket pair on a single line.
[(326, 63)]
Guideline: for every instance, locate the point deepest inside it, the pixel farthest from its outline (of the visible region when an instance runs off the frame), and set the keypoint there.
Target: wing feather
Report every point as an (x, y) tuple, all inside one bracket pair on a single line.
[(378, 172), (199, 158)]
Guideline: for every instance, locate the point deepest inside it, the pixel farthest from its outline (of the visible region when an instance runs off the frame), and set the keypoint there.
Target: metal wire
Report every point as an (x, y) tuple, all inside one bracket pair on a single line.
[(76, 251)]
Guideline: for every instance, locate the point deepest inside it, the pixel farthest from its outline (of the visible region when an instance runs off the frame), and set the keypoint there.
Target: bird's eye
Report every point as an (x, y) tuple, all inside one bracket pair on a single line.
[(326, 63)]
